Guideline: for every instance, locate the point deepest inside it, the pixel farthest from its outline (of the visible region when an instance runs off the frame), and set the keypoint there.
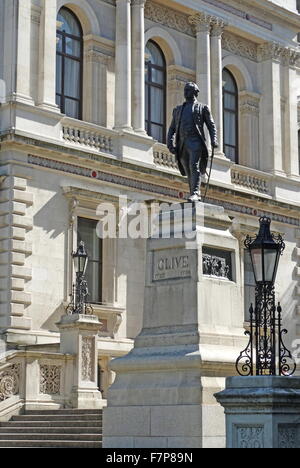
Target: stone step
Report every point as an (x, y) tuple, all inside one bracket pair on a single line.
[(66, 424), (66, 411), (49, 430), (49, 444), (57, 417), (50, 437)]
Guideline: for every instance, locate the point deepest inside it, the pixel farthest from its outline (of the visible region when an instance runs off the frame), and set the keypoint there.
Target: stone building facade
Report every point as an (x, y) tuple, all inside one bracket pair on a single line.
[(83, 123)]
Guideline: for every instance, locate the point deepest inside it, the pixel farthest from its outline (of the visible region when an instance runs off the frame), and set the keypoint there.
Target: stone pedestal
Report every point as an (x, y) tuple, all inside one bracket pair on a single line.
[(262, 412), (163, 392), (79, 337)]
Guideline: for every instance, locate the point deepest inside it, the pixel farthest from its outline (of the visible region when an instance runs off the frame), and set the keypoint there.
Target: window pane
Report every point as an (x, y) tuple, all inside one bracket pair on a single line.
[(229, 128), (73, 47), (58, 101), (71, 108), (154, 55), (69, 23), (58, 74), (72, 78), (230, 153), (229, 82), (157, 76), (229, 101), (157, 133), (59, 42), (93, 244), (157, 105)]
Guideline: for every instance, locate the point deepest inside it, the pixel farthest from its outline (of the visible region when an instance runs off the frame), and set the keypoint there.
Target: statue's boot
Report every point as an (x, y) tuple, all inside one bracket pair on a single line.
[(195, 187)]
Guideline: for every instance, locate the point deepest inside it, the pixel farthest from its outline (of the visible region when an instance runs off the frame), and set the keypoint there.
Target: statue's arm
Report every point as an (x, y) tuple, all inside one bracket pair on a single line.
[(209, 121), (171, 133)]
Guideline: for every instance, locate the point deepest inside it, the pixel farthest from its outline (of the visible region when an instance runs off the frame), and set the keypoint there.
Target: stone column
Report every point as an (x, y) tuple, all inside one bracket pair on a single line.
[(78, 336), (249, 129), (261, 412), (138, 65), (47, 56), (23, 66), (123, 66), (270, 55), (216, 77), (202, 24), (290, 154)]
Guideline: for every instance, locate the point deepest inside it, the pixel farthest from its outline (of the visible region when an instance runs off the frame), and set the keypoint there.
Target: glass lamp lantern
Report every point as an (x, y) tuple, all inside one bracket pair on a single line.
[(80, 258), (265, 251)]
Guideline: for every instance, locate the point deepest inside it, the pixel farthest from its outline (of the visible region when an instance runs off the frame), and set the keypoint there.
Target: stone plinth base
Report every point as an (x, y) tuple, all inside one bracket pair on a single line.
[(262, 412), (79, 337), (163, 392)]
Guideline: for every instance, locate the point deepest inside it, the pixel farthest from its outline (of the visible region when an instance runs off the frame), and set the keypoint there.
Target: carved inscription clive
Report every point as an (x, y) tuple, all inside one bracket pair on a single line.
[(171, 264)]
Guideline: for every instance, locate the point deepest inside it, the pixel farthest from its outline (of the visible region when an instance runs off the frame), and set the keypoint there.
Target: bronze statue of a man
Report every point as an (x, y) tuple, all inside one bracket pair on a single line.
[(186, 138)]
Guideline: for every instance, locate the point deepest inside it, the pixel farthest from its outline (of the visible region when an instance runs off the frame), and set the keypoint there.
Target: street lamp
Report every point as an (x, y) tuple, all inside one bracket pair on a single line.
[(79, 304), (265, 353)]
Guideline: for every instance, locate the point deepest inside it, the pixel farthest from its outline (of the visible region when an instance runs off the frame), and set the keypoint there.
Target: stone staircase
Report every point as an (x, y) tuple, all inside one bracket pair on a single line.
[(66, 428)]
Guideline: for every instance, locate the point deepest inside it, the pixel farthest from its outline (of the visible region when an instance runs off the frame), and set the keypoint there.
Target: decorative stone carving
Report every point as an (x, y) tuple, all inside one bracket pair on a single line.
[(10, 381), (201, 21), (287, 437), (215, 266), (50, 378), (249, 104), (87, 365), (250, 437), (239, 46), (168, 17), (274, 51), (217, 27)]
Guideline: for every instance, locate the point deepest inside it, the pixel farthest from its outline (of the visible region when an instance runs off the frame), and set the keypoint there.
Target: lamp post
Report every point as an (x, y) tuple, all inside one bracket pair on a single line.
[(265, 353), (79, 304)]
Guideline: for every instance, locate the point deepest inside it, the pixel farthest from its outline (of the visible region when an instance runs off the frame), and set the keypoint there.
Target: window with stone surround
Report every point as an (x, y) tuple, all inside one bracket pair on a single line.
[(69, 64), (94, 245), (230, 116), (155, 92)]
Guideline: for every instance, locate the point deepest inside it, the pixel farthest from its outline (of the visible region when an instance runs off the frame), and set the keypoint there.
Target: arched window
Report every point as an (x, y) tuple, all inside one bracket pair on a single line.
[(69, 64), (155, 91), (230, 116)]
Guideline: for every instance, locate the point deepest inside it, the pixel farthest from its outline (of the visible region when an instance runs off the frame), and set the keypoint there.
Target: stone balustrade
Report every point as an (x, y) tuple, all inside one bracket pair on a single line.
[(87, 135), (163, 157), (250, 179)]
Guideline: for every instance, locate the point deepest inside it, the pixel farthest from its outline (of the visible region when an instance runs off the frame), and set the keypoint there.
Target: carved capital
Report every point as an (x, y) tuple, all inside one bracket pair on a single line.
[(270, 51), (97, 56), (217, 27), (201, 22), (138, 3)]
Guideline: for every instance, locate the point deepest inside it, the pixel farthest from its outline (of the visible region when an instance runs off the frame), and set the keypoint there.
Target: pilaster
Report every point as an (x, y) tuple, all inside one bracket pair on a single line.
[(23, 65), (249, 129), (138, 65), (217, 29), (123, 66), (47, 56), (202, 25), (97, 63), (270, 55)]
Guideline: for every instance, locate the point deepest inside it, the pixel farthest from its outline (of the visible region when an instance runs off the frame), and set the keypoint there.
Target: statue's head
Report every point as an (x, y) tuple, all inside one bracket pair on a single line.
[(191, 90)]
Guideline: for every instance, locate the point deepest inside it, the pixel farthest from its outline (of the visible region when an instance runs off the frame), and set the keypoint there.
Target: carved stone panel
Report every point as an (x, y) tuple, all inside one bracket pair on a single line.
[(50, 378), (217, 262), (87, 359), (250, 436), (288, 436), (10, 381)]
